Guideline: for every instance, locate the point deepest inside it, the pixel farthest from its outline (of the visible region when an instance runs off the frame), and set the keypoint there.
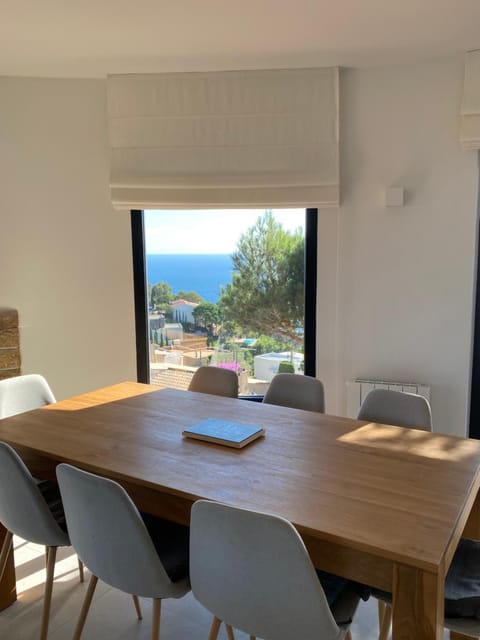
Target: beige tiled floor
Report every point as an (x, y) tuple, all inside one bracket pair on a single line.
[(112, 615)]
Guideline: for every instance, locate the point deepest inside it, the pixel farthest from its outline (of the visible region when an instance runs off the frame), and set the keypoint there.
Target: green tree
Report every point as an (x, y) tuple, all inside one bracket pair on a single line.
[(161, 295), (266, 294), (267, 344), (207, 315), (190, 296), (286, 367)]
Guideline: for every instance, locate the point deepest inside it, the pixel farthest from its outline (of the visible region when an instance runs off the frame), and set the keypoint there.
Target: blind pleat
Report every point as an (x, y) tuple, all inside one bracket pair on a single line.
[(470, 122), (246, 139)]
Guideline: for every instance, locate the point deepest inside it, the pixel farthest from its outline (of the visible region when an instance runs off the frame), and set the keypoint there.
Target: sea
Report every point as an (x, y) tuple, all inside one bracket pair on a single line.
[(205, 274)]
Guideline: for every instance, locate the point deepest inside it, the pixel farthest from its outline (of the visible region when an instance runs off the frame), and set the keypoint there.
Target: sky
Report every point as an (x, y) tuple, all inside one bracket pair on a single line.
[(207, 231)]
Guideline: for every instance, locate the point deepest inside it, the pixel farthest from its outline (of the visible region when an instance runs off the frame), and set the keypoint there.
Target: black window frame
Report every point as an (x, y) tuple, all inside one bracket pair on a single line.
[(474, 413), (141, 303)]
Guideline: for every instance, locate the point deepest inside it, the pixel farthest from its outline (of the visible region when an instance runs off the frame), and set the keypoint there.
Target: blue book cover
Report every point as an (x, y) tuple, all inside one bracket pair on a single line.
[(232, 434)]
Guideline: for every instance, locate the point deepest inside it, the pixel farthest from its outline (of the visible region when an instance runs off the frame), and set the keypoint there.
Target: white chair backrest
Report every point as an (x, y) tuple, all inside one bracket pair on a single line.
[(216, 381), (23, 510), (401, 409), (253, 571), (296, 391), (24, 393), (109, 535)]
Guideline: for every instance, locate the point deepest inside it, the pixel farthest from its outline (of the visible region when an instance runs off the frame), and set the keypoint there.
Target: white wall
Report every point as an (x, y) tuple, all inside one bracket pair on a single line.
[(65, 255), (404, 276), (395, 285)]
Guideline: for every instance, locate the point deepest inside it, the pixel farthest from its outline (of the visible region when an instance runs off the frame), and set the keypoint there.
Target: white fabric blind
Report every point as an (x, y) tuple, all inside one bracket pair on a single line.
[(470, 126), (224, 139)]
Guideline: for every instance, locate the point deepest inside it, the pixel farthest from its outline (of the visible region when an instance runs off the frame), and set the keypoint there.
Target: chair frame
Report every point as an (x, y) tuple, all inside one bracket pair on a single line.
[(215, 381), (55, 536), (226, 539), (74, 485), (296, 391), (400, 409), (30, 391)]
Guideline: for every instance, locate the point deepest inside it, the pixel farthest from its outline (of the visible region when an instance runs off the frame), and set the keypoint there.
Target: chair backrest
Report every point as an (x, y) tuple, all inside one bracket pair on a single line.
[(24, 393), (296, 391), (252, 570), (398, 408), (109, 535), (23, 510), (216, 381)]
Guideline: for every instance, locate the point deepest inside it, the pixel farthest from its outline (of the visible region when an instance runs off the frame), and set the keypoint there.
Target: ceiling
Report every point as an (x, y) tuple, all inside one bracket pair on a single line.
[(91, 38)]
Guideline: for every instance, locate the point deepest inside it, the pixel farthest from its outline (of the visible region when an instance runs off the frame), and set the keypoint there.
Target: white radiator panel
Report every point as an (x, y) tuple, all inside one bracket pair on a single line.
[(358, 389)]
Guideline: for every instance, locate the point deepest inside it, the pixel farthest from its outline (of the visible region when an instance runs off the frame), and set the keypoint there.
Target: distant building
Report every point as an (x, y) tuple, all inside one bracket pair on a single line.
[(165, 332), (182, 310), (156, 321), (265, 366)]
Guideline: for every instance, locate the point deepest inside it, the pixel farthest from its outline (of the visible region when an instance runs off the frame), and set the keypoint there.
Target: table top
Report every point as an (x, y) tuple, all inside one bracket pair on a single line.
[(401, 494)]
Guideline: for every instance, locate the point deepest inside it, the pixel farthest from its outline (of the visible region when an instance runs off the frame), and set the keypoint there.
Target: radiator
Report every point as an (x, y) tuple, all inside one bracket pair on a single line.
[(358, 389)]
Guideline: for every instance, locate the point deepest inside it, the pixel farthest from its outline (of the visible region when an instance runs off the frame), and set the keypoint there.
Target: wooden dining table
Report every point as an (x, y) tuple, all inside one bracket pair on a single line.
[(382, 505)]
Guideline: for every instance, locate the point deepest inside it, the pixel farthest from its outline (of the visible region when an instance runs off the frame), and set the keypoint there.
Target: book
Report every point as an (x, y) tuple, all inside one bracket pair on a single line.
[(230, 434)]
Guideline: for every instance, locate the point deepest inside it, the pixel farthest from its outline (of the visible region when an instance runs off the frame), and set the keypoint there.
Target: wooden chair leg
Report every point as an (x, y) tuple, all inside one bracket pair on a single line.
[(85, 607), (214, 629), (6, 547), (386, 622), (230, 633), (157, 603), (47, 598), (381, 612), (80, 570), (138, 608)]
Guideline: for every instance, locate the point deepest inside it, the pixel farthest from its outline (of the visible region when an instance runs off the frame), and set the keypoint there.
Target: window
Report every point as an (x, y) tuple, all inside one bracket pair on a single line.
[(230, 288)]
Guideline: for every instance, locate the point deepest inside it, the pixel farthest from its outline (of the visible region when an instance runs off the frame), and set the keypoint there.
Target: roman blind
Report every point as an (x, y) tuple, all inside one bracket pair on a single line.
[(470, 125), (224, 139)]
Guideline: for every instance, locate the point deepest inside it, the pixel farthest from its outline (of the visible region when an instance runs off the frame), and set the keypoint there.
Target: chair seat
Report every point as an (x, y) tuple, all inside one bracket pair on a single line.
[(171, 542), (467, 626), (462, 585)]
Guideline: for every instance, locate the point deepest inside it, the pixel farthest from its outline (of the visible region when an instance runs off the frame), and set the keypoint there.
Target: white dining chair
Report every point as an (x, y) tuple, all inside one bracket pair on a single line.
[(252, 571), (296, 391), (110, 536), (24, 393), (386, 406), (216, 381), (25, 512)]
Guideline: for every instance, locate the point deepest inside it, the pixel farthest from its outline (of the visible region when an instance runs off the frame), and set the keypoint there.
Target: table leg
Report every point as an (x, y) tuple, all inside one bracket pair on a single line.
[(417, 604), (8, 593), (472, 528)]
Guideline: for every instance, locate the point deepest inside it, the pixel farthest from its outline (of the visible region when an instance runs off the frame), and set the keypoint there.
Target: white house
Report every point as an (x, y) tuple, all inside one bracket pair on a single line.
[(182, 310), (266, 365)]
